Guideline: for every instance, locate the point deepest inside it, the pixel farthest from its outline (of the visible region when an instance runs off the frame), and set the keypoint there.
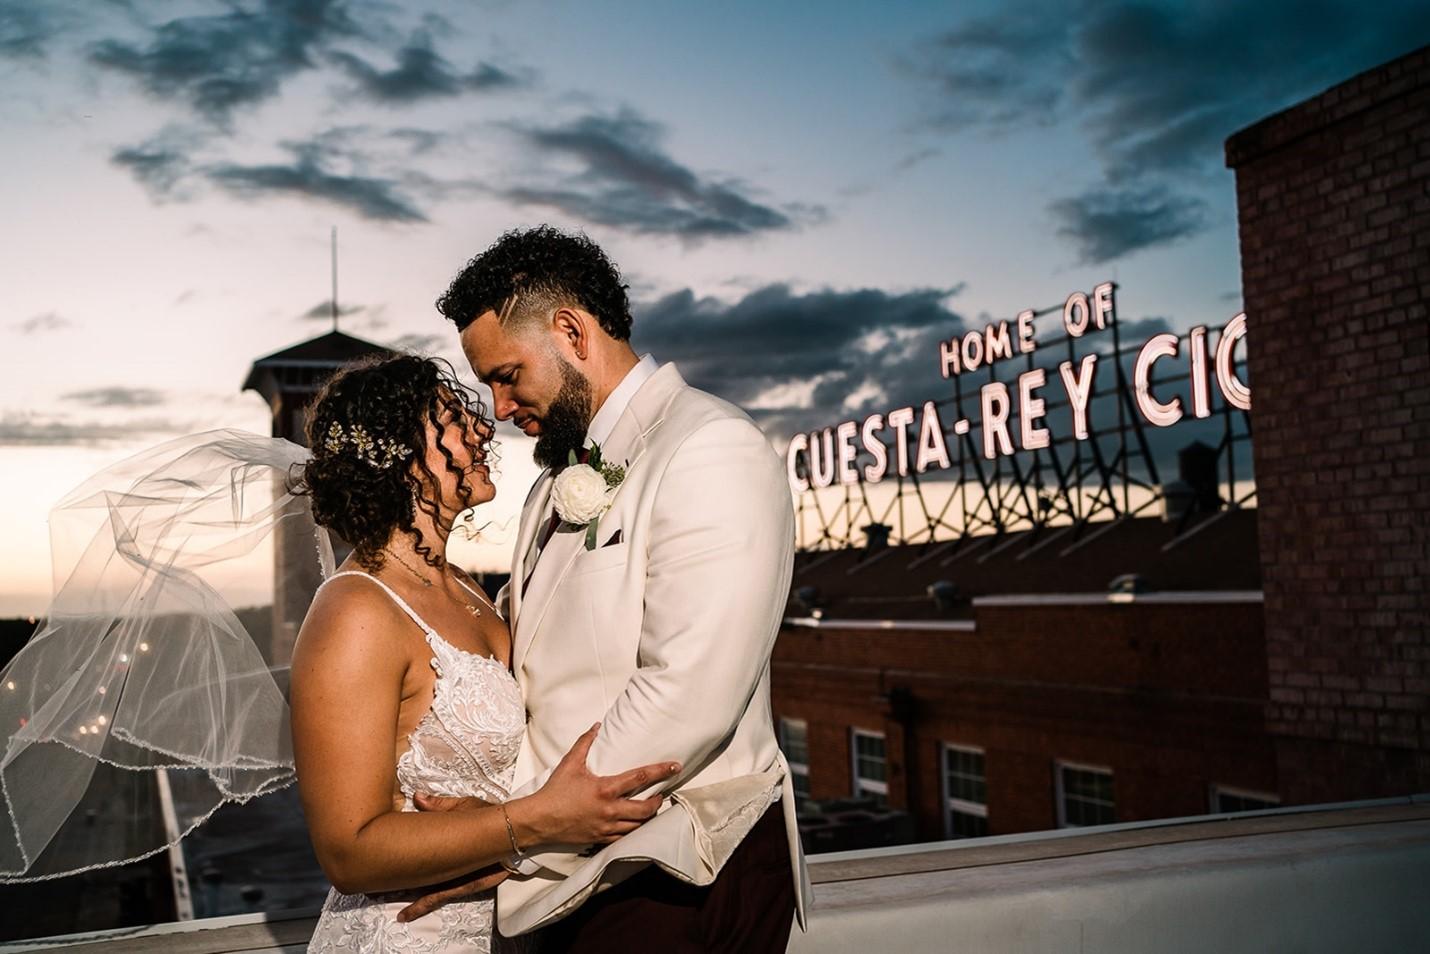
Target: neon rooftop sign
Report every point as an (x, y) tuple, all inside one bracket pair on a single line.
[(1013, 416)]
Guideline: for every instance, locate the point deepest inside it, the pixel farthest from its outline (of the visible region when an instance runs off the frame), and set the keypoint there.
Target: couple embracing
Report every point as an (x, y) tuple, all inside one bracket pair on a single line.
[(586, 762)]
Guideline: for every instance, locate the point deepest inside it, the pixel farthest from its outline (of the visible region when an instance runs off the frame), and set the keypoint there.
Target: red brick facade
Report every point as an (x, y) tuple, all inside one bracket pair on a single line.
[(1334, 210), (1168, 696)]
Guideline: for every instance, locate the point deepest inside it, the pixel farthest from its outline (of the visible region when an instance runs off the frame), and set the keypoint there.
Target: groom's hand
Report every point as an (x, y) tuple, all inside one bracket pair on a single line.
[(457, 890), (441, 803)]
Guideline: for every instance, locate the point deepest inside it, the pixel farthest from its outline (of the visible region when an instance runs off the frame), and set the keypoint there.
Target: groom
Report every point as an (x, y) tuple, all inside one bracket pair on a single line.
[(658, 621)]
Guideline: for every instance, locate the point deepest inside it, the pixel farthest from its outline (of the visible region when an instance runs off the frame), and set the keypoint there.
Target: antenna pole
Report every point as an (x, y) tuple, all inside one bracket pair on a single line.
[(335, 278)]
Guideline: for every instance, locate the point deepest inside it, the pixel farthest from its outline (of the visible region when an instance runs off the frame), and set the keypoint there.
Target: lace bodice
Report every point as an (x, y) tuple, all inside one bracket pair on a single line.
[(465, 744)]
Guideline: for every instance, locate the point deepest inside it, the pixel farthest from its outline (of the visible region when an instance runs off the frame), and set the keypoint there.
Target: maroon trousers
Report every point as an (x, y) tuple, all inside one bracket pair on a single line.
[(748, 908)]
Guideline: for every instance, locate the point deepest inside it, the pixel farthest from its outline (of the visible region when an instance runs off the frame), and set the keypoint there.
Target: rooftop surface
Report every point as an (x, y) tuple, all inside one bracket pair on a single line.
[(1329, 878), (1217, 554)]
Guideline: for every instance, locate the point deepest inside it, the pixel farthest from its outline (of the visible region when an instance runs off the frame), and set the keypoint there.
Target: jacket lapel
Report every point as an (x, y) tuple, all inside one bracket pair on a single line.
[(521, 559), (625, 446)]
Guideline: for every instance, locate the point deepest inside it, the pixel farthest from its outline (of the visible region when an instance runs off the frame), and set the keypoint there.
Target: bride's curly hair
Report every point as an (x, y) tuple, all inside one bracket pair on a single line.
[(367, 430)]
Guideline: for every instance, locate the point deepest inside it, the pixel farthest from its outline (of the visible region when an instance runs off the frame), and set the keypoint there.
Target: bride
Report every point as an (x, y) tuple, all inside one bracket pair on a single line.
[(400, 682)]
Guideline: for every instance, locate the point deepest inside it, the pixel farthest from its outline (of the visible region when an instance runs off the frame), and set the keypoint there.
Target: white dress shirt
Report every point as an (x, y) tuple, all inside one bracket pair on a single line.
[(615, 404), (600, 428)]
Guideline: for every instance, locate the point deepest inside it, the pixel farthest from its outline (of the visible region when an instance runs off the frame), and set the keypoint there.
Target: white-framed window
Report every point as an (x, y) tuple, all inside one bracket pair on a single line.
[(965, 792), (1084, 795), (1226, 799), (794, 741), (871, 767)]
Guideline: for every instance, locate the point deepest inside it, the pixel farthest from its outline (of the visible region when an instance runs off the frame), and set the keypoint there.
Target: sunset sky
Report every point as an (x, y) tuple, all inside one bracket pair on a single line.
[(804, 198)]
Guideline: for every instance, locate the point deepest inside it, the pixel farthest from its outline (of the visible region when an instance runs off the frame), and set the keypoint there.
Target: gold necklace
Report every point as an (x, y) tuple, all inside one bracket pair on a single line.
[(471, 607)]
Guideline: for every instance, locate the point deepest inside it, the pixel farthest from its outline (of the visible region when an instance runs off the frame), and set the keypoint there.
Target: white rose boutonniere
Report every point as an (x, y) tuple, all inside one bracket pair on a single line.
[(583, 492)]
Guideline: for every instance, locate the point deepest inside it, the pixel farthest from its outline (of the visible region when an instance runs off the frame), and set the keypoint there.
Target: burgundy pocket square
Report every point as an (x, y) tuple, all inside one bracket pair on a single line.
[(616, 538)]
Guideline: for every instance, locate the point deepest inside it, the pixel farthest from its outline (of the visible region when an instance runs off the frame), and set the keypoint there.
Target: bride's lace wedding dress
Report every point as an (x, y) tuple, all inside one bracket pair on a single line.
[(465, 745)]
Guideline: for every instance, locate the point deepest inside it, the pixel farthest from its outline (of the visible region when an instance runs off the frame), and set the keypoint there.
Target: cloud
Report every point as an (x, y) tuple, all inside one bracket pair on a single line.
[(995, 72), (117, 397), (323, 311), (418, 141), (625, 180), (331, 167), (21, 428), (1157, 86), (309, 176), (796, 360), (162, 163), (421, 73), (26, 29), (1105, 224), (1136, 330), (1154, 88), (40, 324), (915, 158), (216, 64)]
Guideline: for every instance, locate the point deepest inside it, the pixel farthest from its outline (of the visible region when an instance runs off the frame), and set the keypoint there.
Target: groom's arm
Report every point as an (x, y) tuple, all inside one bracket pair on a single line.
[(721, 553)]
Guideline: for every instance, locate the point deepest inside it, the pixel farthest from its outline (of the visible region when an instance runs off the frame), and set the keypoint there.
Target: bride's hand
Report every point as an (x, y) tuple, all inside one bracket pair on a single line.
[(575, 807)]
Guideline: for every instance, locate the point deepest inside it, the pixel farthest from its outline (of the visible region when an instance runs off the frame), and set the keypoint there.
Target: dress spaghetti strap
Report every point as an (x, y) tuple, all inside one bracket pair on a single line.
[(401, 603)]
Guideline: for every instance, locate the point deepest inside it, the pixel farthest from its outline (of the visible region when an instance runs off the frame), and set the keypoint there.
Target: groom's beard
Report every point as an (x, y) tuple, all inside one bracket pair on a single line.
[(563, 426)]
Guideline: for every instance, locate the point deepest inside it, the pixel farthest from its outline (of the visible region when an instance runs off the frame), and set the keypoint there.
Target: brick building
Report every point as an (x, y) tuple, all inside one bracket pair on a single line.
[(999, 688), (1334, 207), (989, 689)]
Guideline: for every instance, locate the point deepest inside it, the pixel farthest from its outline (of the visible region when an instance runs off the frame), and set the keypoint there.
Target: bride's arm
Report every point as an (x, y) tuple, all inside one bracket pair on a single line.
[(348, 667)]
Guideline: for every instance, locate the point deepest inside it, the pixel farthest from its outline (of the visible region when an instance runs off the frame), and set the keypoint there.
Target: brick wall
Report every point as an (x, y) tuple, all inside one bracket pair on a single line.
[(1170, 697), (1334, 207)]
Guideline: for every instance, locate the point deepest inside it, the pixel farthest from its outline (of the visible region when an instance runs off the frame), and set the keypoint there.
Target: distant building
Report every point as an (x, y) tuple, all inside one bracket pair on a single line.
[(289, 380), (996, 685)]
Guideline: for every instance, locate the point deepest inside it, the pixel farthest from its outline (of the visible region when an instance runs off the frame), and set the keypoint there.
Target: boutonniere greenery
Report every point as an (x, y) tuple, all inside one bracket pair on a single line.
[(584, 491)]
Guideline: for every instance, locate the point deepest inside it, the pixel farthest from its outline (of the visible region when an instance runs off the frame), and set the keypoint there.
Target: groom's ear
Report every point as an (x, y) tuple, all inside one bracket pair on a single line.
[(573, 330)]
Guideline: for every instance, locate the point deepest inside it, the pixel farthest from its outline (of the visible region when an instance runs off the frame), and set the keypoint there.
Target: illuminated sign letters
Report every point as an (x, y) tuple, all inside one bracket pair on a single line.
[(832, 455)]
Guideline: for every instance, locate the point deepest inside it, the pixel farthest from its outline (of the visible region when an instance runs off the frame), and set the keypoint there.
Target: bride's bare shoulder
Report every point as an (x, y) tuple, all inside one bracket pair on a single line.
[(350, 614)]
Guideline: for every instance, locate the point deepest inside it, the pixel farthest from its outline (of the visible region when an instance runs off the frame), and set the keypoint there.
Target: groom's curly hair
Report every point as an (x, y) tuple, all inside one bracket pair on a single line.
[(391, 401), (526, 273)]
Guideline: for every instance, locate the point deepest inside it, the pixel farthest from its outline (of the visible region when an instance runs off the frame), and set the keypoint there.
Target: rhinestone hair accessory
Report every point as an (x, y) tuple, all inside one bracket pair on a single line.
[(381, 453)]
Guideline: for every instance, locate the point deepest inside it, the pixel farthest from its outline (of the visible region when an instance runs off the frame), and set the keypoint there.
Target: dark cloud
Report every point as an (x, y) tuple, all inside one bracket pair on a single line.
[(219, 63), (803, 360), (1140, 329), (627, 181), (1105, 224), (40, 324), (994, 72), (1159, 86), (21, 428), (162, 163), (26, 28), (915, 158), (1154, 87), (331, 167), (117, 397), (310, 176), (420, 73), (323, 311)]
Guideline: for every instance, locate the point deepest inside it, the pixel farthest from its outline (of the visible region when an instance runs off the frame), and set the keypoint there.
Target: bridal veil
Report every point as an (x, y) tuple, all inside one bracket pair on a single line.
[(142, 689)]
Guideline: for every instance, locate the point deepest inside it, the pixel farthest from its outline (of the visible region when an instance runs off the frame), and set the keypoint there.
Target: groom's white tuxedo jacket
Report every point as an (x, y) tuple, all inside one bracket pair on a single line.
[(664, 636)]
